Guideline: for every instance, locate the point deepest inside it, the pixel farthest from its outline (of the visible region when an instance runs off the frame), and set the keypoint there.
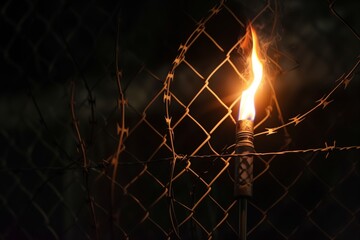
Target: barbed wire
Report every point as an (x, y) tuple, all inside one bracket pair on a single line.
[(328, 149), (152, 156)]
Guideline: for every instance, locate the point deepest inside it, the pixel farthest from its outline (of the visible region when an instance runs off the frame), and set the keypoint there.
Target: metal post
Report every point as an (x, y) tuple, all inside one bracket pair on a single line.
[(243, 218)]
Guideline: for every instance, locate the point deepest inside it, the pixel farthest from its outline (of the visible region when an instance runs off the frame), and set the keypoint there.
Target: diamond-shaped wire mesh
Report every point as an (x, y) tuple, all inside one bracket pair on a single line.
[(108, 132)]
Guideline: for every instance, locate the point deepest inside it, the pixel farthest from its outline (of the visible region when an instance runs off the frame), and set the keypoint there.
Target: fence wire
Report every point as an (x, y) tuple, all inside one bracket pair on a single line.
[(118, 120)]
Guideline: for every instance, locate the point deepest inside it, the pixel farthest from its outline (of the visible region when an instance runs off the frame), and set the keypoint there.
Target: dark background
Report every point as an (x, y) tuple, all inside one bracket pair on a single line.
[(49, 47)]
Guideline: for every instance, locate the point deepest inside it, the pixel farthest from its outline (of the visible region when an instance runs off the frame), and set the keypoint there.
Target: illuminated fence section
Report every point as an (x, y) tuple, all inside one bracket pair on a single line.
[(121, 137)]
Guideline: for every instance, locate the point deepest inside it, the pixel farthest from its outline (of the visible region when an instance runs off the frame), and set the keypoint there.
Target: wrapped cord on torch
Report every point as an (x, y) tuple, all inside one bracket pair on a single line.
[(244, 164)]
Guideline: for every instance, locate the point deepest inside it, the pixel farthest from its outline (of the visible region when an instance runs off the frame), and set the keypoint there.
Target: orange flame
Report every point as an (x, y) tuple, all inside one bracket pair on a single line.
[(247, 106)]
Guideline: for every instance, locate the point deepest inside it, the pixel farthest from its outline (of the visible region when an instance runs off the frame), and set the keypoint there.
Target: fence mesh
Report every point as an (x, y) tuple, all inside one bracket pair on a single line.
[(118, 120)]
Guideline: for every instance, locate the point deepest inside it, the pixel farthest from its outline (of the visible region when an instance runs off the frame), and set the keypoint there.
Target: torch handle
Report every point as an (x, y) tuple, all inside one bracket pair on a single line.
[(244, 164)]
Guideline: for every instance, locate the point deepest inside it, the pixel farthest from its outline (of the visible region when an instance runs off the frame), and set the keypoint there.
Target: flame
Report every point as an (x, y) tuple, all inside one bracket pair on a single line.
[(247, 106)]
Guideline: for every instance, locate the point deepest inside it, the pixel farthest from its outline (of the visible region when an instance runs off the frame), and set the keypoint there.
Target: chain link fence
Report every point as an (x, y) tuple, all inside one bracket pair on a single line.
[(118, 120)]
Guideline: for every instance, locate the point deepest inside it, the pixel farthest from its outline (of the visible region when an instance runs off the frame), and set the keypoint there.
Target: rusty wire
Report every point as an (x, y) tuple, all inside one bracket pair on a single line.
[(151, 153)]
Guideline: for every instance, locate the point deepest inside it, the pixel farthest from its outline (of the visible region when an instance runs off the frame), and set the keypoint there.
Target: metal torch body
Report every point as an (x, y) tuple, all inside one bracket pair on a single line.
[(244, 164)]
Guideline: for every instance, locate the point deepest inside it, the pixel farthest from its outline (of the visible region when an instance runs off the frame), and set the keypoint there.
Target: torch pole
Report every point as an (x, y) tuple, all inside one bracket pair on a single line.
[(243, 218), (243, 170)]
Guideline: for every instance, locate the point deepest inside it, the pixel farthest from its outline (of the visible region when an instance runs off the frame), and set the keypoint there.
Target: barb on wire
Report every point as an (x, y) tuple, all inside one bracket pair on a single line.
[(167, 99), (321, 103), (82, 150), (81, 144), (327, 149), (161, 166), (121, 130)]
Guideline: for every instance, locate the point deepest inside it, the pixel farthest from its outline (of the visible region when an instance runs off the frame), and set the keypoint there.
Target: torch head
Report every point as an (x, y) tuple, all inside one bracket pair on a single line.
[(244, 164), (244, 134)]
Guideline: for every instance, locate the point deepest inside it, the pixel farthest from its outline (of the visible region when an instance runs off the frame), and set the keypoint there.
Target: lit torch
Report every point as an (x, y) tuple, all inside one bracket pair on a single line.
[(244, 126), (245, 136)]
